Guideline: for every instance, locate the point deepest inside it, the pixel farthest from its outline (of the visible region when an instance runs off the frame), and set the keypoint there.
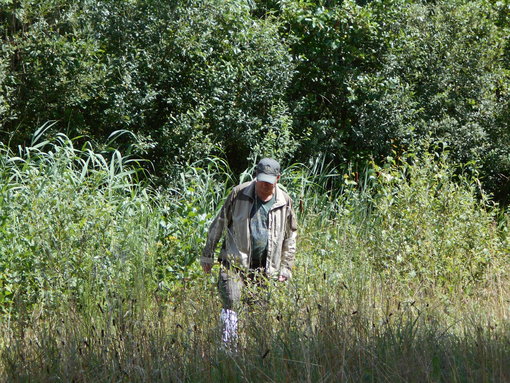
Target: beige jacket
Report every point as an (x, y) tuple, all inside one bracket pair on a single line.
[(233, 221)]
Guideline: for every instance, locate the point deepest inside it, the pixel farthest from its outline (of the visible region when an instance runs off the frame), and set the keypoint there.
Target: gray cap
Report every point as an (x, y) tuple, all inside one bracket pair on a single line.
[(268, 170)]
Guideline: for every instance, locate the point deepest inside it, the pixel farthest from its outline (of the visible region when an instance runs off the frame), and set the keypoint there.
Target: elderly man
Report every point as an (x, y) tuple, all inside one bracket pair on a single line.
[(259, 225)]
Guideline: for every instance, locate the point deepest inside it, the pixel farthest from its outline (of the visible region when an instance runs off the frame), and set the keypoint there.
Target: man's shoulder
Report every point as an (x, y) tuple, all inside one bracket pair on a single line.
[(244, 187), (283, 194)]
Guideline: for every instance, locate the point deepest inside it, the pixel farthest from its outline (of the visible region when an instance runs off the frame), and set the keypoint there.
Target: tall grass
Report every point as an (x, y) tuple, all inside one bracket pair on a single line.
[(72, 221), (401, 275)]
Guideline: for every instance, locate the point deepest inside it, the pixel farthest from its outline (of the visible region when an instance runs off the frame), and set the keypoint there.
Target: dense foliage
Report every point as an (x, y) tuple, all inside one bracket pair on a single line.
[(99, 279), (349, 79), (391, 119)]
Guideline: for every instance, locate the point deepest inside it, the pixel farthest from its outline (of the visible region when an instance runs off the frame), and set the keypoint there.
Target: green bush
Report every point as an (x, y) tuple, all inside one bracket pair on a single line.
[(432, 225), (73, 222), (188, 78), (443, 74), (331, 43), (186, 209), (240, 79), (78, 225)]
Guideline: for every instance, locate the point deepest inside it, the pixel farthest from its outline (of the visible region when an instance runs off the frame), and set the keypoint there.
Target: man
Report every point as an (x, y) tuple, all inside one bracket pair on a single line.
[(260, 228)]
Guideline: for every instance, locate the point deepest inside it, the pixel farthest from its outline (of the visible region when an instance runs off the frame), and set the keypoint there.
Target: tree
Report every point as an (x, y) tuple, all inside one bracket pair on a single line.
[(443, 76)]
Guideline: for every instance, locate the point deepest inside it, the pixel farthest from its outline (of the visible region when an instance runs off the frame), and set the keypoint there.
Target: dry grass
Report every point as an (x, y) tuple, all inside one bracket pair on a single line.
[(308, 333)]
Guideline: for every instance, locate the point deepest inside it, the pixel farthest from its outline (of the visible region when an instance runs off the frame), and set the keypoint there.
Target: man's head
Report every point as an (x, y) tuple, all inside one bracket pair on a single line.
[(268, 170), (268, 174)]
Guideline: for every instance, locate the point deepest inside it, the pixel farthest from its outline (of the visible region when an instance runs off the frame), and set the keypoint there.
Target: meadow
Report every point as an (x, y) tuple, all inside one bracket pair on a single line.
[(401, 273)]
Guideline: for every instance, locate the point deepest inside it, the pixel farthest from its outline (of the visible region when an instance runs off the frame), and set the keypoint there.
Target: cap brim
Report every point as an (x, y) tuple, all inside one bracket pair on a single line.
[(266, 178)]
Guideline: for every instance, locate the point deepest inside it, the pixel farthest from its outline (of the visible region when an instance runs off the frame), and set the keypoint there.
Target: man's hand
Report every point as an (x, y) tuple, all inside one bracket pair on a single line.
[(206, 267), (282, 278)]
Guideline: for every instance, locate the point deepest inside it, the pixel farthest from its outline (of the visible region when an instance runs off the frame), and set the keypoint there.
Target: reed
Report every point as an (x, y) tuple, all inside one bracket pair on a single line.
[(99, 279)]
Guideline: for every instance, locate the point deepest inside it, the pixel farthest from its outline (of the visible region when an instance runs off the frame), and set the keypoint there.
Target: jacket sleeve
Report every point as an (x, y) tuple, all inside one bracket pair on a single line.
[(289, 244), (216, 230)]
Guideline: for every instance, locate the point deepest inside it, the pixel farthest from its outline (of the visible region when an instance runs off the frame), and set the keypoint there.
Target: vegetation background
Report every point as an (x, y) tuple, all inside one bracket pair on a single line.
[(124, 124)]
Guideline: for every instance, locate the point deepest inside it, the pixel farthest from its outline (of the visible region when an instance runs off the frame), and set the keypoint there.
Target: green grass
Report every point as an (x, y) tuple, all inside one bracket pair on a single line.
[(401, 275)]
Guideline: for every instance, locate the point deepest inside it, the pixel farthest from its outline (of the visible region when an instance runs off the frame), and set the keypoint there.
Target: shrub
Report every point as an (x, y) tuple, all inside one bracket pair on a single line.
[(73, 222), (432, 225)]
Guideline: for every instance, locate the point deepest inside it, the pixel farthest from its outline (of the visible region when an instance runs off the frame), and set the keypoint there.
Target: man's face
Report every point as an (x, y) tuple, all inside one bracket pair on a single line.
[(265, 189)]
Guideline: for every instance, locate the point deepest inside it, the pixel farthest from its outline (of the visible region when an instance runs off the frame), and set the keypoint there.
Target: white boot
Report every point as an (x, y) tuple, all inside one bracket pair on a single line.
[(228, 320)]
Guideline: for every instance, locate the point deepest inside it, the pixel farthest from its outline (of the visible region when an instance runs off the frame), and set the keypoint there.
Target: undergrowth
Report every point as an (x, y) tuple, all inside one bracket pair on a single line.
[(400, 274)]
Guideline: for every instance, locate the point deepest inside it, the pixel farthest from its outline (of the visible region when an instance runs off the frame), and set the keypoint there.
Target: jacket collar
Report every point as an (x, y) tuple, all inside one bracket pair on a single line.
[(249, 191)]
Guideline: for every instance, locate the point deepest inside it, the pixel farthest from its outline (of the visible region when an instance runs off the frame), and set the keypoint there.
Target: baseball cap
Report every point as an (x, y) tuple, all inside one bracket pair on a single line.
[(268, 170)]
